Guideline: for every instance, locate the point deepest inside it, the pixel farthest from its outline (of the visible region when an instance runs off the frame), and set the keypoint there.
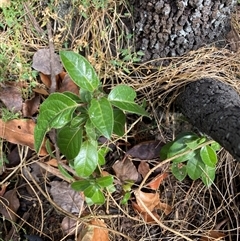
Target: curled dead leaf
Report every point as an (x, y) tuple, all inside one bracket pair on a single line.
[(146, 217), (125, 170), (93, 233), (9, 205), (150, 200), (143, 168), (156, 181)]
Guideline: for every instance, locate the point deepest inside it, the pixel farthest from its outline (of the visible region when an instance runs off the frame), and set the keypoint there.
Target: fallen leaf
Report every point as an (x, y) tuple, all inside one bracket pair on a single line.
[(41, 62), (65, 197), (30, 107), (46, 79), (156, 181), (92, 233), (9, 205), (14, 157), (68, 85), (146, 150), (3, 188), (69, 225), (213, 235), (167, 209), (20, 132), (11, 97), (146, 217), (150, 200), (125, 170), (41, 90), (143, 168)]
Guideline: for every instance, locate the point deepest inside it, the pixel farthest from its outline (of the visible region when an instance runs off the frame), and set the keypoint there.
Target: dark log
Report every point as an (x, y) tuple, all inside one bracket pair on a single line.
[(173, 27), (214, 108)]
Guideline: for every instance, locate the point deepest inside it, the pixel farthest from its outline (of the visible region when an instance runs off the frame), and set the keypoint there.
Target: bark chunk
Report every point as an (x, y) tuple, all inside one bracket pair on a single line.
[(168, 28)]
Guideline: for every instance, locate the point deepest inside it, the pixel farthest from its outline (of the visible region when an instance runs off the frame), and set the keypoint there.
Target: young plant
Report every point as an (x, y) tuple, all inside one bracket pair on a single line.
[(81, 120), (193, 156)]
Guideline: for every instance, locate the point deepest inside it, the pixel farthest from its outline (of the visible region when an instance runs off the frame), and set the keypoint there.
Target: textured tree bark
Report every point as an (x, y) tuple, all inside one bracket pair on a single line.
[(173, 27), (214, 108)]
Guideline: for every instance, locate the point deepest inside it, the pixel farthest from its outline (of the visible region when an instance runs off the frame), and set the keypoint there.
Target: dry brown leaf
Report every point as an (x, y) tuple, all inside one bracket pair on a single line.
[(41, 62), (143, 168), (46, 79), (30, 107), (167, 209), (20, 132), (146, 150), (155, 183), (69, 225), (3, 188), (66, 198), (41, 90), (125, 170), (213, 235), (91, 233), (11, 97), (69, 85), (150, 200), (146, 217), (9, 205)]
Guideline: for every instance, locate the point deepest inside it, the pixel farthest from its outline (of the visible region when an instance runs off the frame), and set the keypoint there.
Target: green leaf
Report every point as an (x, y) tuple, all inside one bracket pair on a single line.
[(69, 141), (209, 156), (216, 146), (208, 175), (101, 155), (90, 190), (179, 171), (49, 148), (123, 96), (80, 70), (185, 157), (195, 143), (81, 185), (85, 95), (86, 161), (97, 197), (72, 96), (119, 122), (194, 167), (64, 172), (164, 150), (90, 130), (79, 120), (101, 115), (105, 181), (125, 198), (55, 112)]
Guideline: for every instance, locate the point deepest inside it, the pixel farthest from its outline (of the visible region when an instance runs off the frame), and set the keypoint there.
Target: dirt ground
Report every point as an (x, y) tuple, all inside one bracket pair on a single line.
[(101, 33)]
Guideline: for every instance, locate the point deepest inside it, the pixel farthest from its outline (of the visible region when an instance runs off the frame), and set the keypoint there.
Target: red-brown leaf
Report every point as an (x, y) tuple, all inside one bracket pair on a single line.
[(30, 107), (20, 132)]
